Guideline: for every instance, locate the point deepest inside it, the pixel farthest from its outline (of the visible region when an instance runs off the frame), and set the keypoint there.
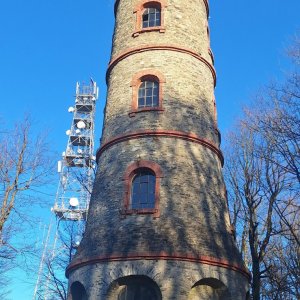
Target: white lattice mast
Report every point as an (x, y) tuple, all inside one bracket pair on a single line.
[(78, 161), (76, 173)]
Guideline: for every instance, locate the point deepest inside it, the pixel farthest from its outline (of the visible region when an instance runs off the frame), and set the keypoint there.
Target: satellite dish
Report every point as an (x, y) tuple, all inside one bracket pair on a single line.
[(74, 202), (81, 125), (77, 131), (71, 109), (68, 132), (77, 240)]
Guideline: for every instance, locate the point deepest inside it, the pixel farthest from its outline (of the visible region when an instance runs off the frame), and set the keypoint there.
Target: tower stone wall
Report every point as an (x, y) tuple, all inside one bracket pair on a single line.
[(185, 24), (184, 245)]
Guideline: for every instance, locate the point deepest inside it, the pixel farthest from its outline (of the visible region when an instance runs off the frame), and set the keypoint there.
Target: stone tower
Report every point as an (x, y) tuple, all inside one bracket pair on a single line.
[(158, 224)]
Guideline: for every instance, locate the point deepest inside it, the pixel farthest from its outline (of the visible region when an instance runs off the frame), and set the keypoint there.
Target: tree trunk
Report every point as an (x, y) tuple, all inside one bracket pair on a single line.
[(256, 281)]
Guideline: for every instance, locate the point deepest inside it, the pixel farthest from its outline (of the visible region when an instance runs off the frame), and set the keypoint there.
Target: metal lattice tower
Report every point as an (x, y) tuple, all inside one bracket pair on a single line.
[(78, 161), (76, 172)]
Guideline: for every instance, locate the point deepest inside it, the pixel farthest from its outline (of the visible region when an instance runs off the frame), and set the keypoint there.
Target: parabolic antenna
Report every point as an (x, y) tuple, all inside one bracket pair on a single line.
[(68, 132), (77, 240), (74, 202), (81, 125), (71, 109)]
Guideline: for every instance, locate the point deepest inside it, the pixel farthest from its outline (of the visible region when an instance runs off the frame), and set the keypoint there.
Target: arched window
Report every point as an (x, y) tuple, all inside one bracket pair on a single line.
[(137, 292), (151, 17), (209, 288), (137, 287), (147, 91), (143, 189), (142, 185), (148, 94), (78, 291)]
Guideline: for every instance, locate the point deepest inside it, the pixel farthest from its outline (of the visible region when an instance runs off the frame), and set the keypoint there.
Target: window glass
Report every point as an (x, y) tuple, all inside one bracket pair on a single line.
[(143, 190), (148, 94), (151, 17)]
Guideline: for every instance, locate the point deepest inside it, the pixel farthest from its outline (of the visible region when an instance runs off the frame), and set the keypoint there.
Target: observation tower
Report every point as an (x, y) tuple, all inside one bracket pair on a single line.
[(158, 225)]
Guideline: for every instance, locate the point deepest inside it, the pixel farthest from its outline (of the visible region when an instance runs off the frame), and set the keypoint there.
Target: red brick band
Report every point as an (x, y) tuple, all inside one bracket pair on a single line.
[(205, 3), (165, 133), (190, 258), (132, 51)]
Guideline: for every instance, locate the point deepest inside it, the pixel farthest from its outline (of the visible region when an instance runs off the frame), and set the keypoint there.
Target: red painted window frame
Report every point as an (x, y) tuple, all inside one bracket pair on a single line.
[(128, 177), (152, 75), (138, 11)]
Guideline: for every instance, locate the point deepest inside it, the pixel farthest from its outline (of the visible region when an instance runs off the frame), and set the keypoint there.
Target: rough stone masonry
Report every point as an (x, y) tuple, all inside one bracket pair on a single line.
[(182, 248)]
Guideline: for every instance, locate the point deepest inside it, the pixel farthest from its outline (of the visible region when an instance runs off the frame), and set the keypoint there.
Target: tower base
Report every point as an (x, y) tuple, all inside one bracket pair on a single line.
[(166, 280)]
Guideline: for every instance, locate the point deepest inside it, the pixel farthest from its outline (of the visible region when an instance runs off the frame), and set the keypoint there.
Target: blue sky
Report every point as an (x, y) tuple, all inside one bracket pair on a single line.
[(48, 45)]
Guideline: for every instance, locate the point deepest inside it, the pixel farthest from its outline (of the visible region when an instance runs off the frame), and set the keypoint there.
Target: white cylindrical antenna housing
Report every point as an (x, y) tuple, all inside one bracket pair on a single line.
[(59, 166)]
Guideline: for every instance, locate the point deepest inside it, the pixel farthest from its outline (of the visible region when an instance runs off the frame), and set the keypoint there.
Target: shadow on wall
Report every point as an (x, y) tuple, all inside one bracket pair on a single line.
[(192, 221)]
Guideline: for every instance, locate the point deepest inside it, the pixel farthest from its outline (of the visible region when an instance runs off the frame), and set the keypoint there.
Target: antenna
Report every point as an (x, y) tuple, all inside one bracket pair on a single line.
[(76, 173), (73, 194)]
